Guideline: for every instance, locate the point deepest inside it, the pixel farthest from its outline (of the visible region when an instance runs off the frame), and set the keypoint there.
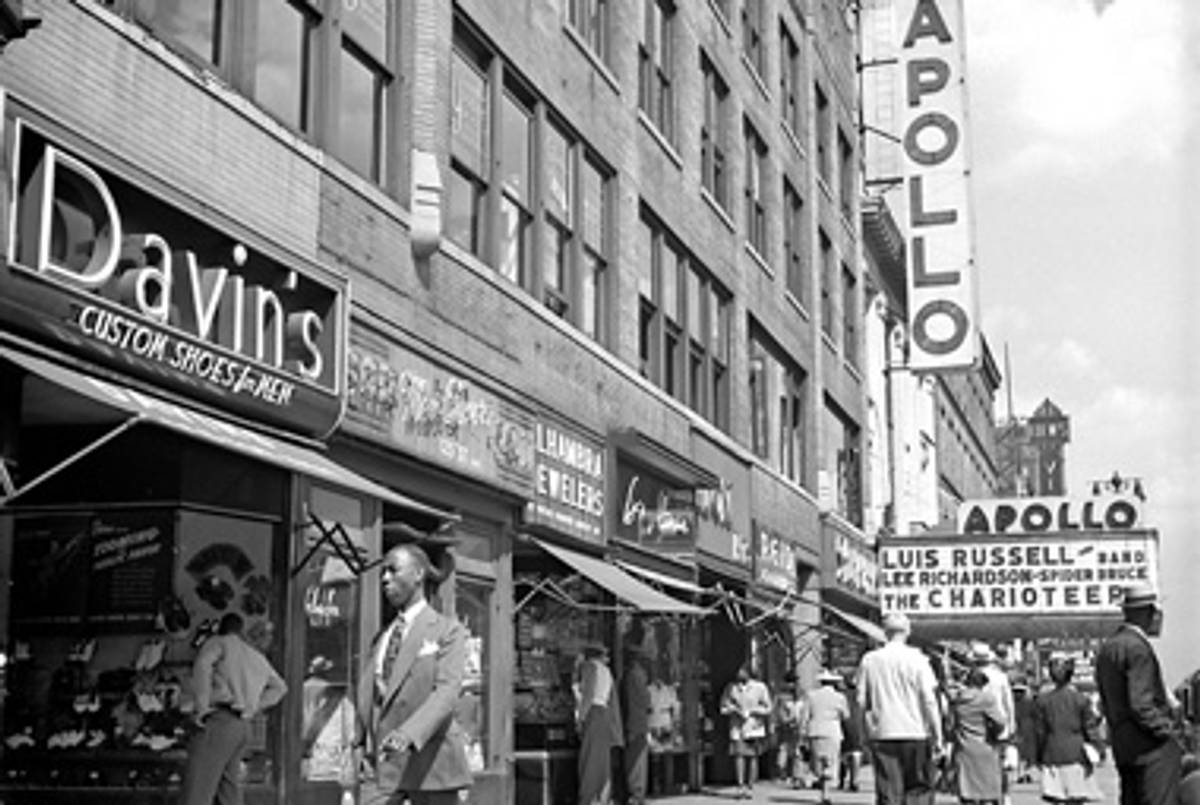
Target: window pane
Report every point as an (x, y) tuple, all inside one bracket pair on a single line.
[(366, 21), (645, 260), (462, 211), (515, 150), (695, 320), (279, 67), (472, 605), (469, 125), (594, 218), (591, 314), (554, 262), (513, 226), (670, 283), (191, 23), (558, 175), (359, 116)]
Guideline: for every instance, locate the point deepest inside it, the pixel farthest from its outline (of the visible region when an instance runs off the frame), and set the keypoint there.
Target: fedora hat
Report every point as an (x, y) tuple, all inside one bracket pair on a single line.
[(980, 653), (1139, 594)]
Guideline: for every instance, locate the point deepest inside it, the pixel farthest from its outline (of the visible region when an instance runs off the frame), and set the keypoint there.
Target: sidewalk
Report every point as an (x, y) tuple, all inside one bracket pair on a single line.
[(769, 792)]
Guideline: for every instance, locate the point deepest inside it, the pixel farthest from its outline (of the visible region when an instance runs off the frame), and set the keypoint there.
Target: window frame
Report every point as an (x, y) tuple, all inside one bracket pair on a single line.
[(828, 269), (714, 142), (790, 81), (656, 96), (591, 21), (757, 165), (823, 123), (795, 243), (753, 46)]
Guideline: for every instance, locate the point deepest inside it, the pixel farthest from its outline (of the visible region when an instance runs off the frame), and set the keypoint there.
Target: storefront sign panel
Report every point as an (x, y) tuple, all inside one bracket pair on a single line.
[(568, 485), (100, 267), (655, 512), (856, 568), (775, 560), (1056, 574), (723, 508), (398, 396), (1039, 515)]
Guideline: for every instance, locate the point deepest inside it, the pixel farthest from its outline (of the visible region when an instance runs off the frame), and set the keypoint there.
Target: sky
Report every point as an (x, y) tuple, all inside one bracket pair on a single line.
[(1085, 165)]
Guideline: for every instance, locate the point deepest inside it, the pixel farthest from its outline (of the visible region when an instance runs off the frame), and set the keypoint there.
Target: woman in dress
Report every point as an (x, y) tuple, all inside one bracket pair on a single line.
[(978, 721), (747, 702), (1065, 727)]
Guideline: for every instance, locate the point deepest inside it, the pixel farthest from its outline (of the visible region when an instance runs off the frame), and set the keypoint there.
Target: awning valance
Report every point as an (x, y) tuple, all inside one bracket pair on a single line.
[(667, 581), (140, 407), (612, 578), (860, 624)]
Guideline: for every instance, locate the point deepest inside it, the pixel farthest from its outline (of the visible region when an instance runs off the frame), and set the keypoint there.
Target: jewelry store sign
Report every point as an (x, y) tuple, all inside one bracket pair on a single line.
[(402, 398), (1079, 573), (568, 481)]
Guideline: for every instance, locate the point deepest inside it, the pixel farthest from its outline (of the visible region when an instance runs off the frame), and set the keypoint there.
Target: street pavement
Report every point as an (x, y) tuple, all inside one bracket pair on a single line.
[(770, 792)]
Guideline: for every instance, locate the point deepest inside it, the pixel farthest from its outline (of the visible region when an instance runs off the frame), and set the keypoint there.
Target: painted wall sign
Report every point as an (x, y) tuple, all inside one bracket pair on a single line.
[(1039, 515), (100, 267), (1066, 573), (398, 396), (856, 568), (568, 483), (655, 512), (943, 303), (775, 559)]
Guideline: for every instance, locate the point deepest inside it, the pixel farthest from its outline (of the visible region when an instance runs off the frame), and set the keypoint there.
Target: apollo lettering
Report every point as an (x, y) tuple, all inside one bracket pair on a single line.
[(1038, 516), (78, 239), (932, 138)]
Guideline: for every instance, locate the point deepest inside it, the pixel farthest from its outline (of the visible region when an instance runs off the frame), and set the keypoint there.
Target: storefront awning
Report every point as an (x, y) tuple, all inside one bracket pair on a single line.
[(624, 586), (665, 580), (862, 625), (140, 407)]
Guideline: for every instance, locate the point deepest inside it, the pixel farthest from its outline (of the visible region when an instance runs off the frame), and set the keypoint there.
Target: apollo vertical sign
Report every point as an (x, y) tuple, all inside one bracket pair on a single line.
[(942, 303)]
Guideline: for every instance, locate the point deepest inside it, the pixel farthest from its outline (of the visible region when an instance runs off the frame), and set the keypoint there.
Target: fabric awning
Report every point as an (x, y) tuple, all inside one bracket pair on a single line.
[(618, 582), (663, 579), (862, 625), (142, 407)]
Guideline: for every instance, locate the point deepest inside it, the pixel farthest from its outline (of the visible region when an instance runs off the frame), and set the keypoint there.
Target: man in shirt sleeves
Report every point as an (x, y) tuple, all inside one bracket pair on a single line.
[(413, 746), (232, 682)]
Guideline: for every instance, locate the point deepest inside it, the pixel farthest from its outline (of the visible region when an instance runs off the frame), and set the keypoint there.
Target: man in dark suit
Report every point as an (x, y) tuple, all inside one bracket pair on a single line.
[(413, 746), (1141, 724)]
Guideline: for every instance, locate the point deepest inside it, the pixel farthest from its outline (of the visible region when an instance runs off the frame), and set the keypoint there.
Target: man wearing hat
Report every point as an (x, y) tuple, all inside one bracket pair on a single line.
[(825, 710), (1134, 700), (897, 695)]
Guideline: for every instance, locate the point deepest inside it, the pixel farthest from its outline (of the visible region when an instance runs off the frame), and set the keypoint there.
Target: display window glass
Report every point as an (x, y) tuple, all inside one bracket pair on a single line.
[(658, 642), (472, 605)]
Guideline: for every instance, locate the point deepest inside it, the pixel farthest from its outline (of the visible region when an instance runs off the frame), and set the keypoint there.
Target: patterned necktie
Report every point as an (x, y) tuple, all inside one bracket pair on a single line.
[(395, 637)]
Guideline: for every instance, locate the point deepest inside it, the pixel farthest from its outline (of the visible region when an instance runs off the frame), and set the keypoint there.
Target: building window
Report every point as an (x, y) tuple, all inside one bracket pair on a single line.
[(778, 401), (559, 232), (589, 18), (823, 133), (828, 278), (277, 52), (846, 178), (714, 145), (470, 148), (752, 34), (843, 464), (516, 157), (794, 228), (683, 330), (756, 203), (849, 316), (790, 72), (722, 8), (193, 24), (595, 190), (281, 62), (655, 90), (364, 78)]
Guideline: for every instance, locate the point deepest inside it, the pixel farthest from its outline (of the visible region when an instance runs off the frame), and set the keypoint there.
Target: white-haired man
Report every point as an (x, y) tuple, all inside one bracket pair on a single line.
[(897, 694)]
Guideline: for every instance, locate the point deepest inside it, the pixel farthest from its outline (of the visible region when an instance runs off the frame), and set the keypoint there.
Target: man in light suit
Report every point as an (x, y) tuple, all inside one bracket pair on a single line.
[(413, 746), (1141, 723)]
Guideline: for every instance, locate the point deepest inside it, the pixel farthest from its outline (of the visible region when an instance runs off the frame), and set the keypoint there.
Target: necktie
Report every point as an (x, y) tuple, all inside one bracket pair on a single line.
[(392, 649)]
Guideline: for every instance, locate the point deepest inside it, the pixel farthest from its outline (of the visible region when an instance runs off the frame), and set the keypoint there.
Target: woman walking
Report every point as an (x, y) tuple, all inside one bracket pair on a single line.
[(978, 722), (1065, 727), (747, 702)]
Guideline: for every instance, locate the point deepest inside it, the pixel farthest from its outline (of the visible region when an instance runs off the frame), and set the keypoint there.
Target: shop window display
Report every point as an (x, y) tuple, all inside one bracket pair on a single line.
[(471, 607), (553, 622), (660, 641), (108, 609)]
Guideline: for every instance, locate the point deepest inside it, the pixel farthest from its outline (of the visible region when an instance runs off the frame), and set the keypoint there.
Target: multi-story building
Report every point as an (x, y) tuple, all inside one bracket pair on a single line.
[(1031, 453), (571, 292)]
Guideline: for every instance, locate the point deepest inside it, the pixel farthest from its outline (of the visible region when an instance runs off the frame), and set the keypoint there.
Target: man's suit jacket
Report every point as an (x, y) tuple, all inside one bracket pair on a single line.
[(418, 701), (1133, 697)]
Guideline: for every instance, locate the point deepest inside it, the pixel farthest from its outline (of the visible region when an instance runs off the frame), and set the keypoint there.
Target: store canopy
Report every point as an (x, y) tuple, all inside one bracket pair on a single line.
[(862, 625), (667, 581), (624, 586), (139, 407)]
